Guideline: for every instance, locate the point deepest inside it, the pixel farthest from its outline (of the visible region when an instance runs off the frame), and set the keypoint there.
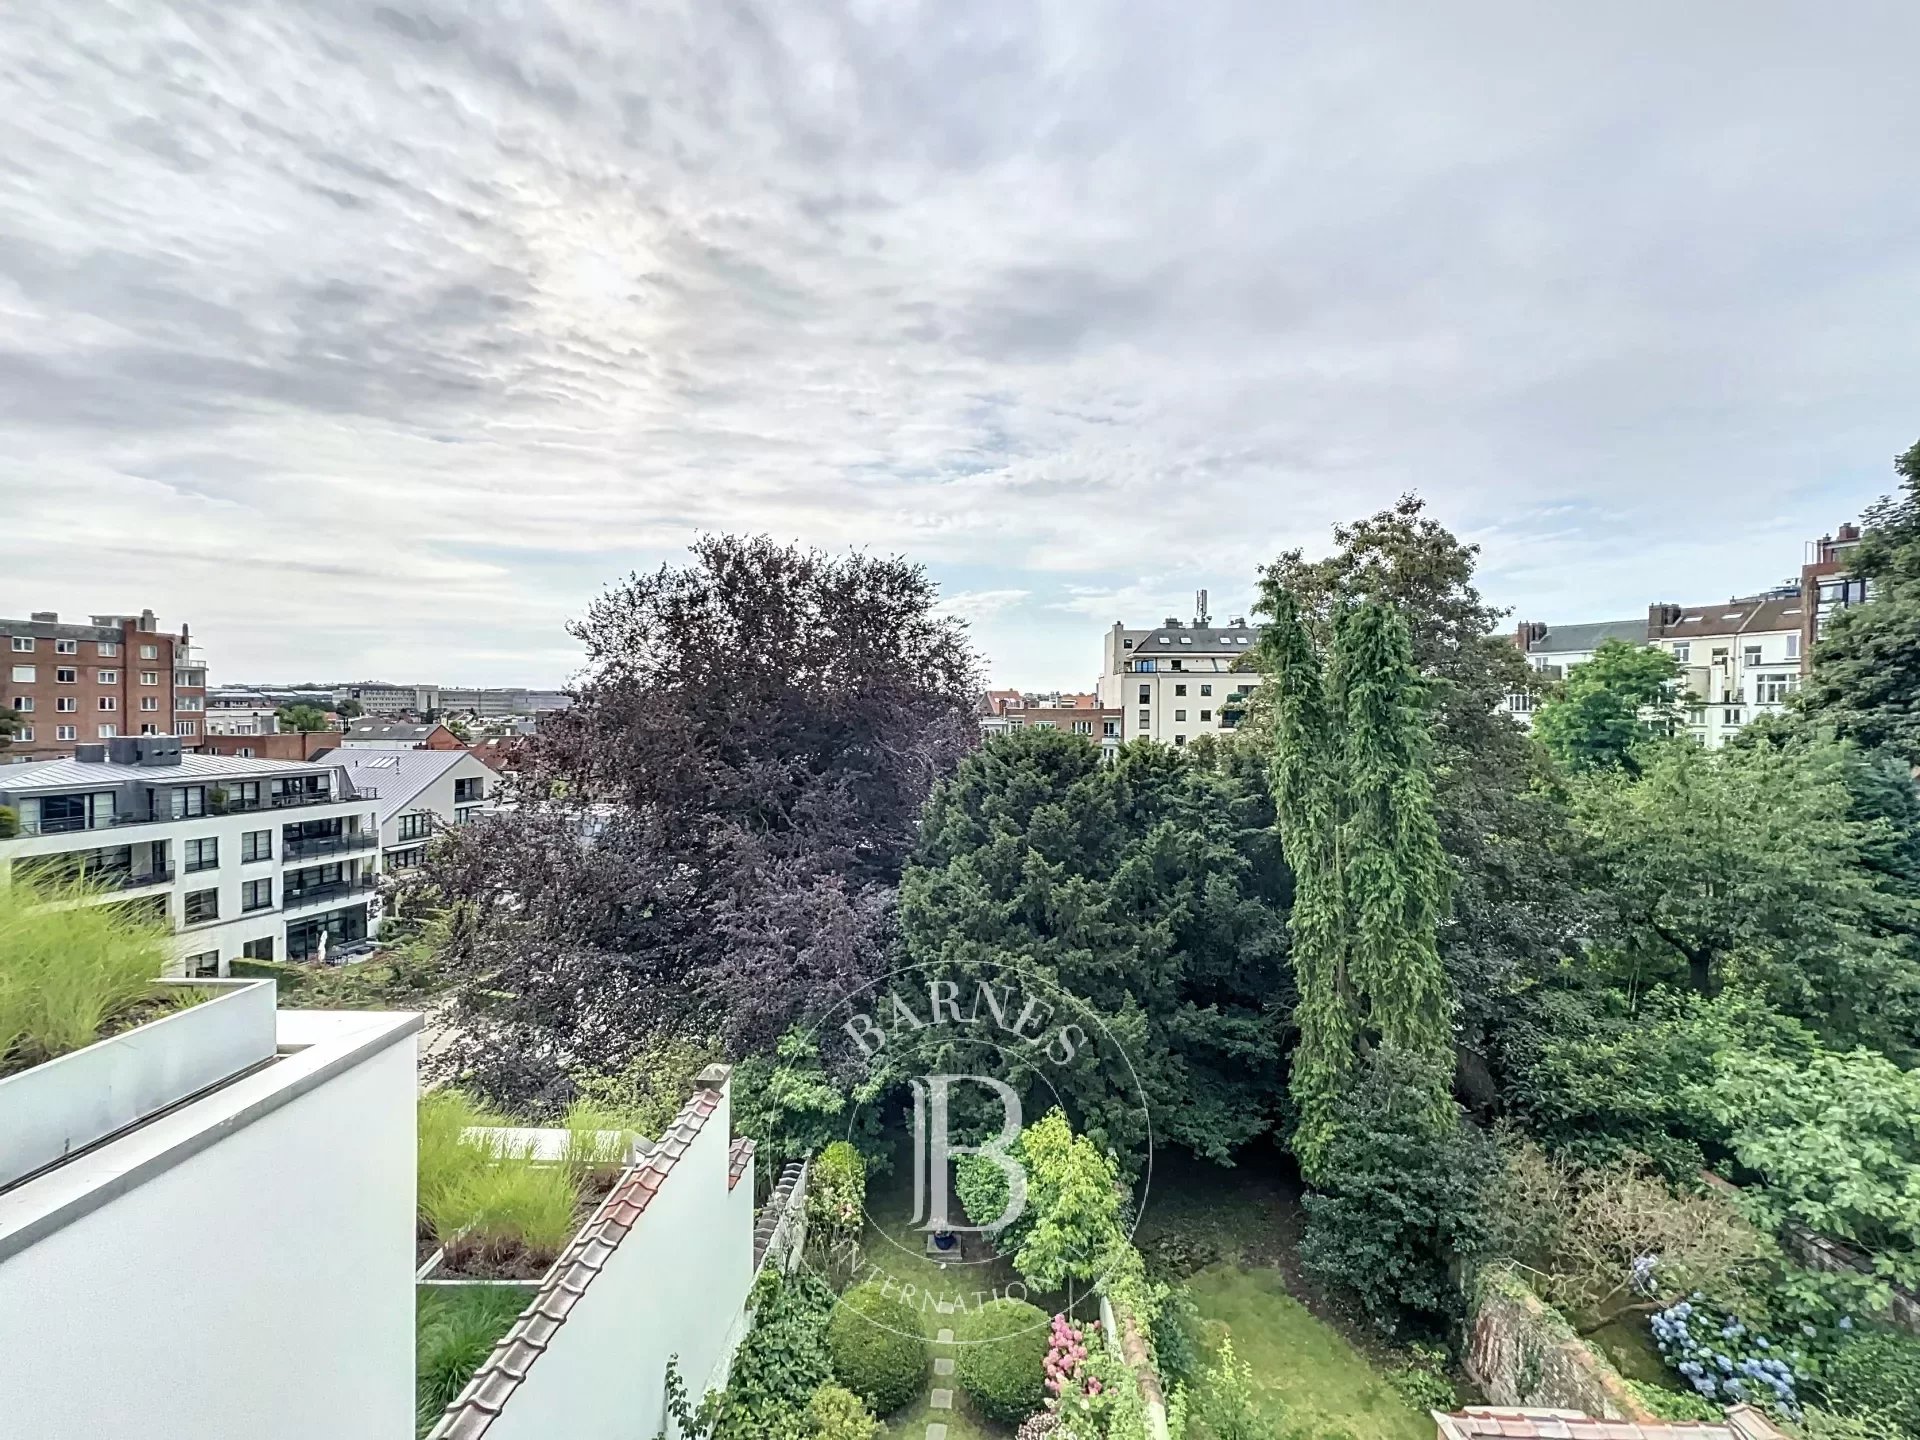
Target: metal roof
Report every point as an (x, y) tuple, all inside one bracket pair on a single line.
[(398, 775), (70, 774)]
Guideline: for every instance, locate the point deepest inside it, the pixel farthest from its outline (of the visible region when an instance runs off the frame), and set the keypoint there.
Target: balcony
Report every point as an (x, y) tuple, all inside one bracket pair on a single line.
[(327, 845), (324, 894)]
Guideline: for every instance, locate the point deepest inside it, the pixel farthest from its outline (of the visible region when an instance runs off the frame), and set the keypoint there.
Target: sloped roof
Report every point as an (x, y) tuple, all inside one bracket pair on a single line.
[(71, 774), (1187, 639), (1591, 635), (399, 775), (388, 730), (1525, 1423), (1753, 616)]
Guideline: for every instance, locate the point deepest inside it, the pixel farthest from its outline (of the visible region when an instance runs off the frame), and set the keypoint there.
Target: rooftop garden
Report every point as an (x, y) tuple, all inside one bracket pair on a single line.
[(74, 970)]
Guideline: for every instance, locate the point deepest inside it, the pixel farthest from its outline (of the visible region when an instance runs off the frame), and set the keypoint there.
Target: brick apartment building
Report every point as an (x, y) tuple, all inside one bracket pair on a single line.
[(80, 684), (1002, 710)]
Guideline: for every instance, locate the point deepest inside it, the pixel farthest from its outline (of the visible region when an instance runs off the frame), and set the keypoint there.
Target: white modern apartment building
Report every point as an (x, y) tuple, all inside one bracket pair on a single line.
[(1178, 680), (420, 792), (266, 859)]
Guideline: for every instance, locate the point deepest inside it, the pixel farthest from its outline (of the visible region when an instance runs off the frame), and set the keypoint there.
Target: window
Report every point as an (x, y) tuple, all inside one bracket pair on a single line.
[(202, 906), (1146, 667), (190, 702), (106, 732), (1751, 655), (1179, 689), (107, 647), (461, 817), (1730, 716), (1146, 694), (203, 967), (469, 789), (256, 845), (1774, 689), (1206, 715), (1146, 718), (149, 729), (186, 801), (147, 652), (149, 702), (66, 704), (261, 949), (200, 854), (1793, 647), (1179, 716), (23, 703), (65, 732), (415, 826), (186, 727), (109, 702), (149, 677), (26, 674), (1080, 727), (1176, 662), (66, 647), (245, 752), (24, 733), (407, 859), (1719, 652), (256, 895), (1110, 728), (23, 643), (66, 675), (1179, 739), (1682, 651), (1206, 689)]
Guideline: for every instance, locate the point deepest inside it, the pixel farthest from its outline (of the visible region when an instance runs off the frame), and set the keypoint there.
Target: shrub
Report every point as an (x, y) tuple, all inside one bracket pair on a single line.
[(1878, 1374), (782, 1362), (878, 1349), (455, 1329), (1002, 1359), (1726, 1361), (70, 968), (836, 1413), (9, 822), (1221, 1406), (651, 1089), (1665, 1404), (596, 1142), (517, 1205), (1402, 1194), (1073, 1205), (837, 1192), (446, 1160)]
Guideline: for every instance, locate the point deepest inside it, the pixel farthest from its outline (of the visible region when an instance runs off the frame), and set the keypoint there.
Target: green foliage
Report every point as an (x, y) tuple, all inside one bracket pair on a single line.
[(653, 1086), (877, 1347), (983, 1189), (71, 968), (1355, 810), (1001, 1359), (1073, 1206), (303, 719), (597, 1142), (837, 1192), (1865, 678), (836, 1413), (446, 1160), (1403, 1194), (513, 1208), (455, 1330), (9, 821), (782, 1362), (1877, 1374), (1152, 890), (1836, 1139), (1665, 1404), (791, 1106), (1221, 1404), (1606, 709)]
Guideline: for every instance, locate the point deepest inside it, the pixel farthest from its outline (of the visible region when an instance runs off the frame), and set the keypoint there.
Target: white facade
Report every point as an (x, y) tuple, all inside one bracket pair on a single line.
[(420, 792), (1735, 676), (1553, 650), (1178, 681), (243, 858), (238, 1267)]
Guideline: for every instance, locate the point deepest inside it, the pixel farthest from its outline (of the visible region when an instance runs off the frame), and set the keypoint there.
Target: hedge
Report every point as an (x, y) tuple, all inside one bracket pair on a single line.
[(879, 1351), (1002, 1359), (287, 975)]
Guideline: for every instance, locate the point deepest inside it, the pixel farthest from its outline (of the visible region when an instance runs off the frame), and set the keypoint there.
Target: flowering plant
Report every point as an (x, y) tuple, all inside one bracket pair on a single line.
[(1724, 1360)]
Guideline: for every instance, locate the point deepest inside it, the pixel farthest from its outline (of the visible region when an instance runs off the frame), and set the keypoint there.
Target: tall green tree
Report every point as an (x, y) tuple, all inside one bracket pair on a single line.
[(1865, 676), (302, 718), (1354, 806), (1603, 710)]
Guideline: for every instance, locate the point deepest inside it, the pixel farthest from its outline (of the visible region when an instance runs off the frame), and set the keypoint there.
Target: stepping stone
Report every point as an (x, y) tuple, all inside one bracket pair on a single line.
[(940, 1400), (936, 1431), (945, 1337), (943, 1366)]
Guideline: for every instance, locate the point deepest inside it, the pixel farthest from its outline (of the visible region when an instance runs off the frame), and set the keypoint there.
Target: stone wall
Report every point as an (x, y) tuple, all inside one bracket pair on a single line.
[(1521, 1351)]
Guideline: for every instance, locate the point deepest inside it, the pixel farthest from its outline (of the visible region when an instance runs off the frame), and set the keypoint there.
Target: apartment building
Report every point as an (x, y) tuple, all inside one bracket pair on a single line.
[(1003, 710), (1827, 586), (1552, 650), (500, 702), (378, 698), (266, 859), (117, 675), (397, 735), (1180, 679), (420, 791), (1737, 660)]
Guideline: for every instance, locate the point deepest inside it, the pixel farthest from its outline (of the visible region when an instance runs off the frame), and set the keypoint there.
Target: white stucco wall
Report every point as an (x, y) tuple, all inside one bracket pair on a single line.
[(674, 1286), (259, 1287)]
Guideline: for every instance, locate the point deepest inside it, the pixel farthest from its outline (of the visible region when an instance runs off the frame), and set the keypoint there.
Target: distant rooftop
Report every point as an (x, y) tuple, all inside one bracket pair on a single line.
[(1572, 639), (388, 730)]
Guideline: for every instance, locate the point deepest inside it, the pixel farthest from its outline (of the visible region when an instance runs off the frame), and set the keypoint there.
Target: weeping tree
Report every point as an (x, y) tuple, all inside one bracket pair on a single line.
[(1354, 800)]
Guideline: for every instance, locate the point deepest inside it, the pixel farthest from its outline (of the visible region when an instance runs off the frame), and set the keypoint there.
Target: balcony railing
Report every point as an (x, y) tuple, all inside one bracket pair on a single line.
[(71, 824), (322, 894), (328, 845)]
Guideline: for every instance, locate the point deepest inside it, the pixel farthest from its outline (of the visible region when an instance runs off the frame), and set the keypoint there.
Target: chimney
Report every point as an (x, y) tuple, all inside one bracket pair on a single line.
[(46, 617), (90, 754), (1849, 532), (146, 620), (1529, 634), (1659, 617)]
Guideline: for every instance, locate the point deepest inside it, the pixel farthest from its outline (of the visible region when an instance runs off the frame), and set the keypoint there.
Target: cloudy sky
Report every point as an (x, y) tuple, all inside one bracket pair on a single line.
[(372, 337)]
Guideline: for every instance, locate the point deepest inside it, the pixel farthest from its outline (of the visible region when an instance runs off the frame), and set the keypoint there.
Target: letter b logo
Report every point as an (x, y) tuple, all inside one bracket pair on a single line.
[(932, 1149)]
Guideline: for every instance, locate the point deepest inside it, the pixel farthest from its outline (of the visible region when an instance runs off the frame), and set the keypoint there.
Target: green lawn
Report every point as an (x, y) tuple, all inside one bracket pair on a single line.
[(1309, 1378)]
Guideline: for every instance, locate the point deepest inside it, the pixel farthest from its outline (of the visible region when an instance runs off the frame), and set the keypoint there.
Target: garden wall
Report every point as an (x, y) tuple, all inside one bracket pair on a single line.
[(1521, 1351)]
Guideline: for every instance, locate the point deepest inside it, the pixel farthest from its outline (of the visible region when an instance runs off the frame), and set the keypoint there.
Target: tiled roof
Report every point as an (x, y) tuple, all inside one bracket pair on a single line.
[(1590, 635), (1752, 616), (1515, 1423), (739, 1160), (473, 1412), (774, 1214)]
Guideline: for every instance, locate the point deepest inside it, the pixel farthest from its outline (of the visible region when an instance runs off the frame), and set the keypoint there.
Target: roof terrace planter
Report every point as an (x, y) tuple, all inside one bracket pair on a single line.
[(68, 1103)]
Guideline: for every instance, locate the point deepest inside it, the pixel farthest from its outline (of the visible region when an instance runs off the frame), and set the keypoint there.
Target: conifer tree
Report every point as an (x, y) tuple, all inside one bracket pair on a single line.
[(1354, 799)]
